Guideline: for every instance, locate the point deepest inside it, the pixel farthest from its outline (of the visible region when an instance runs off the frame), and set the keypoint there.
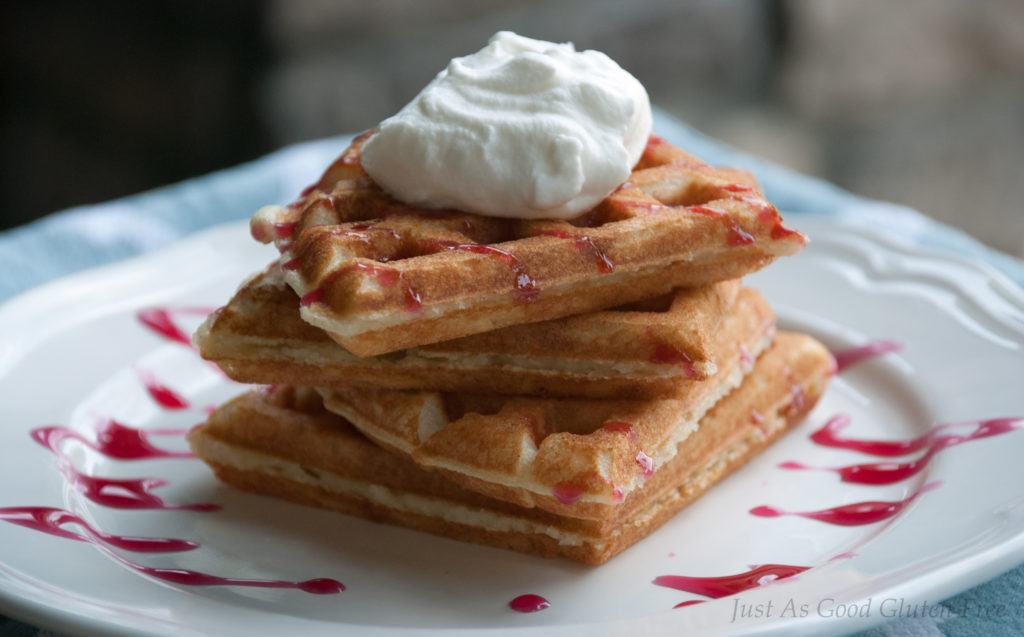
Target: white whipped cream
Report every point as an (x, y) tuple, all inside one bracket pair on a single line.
[(523, 128)]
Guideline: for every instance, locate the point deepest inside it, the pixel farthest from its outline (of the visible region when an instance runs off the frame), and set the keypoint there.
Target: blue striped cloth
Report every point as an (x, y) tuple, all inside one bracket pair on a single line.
[(88, 236)]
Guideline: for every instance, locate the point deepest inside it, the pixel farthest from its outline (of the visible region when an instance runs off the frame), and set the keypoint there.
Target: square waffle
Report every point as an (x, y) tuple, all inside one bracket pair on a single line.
[(284, 444), (577, 457), (640, 351), (380, 276)]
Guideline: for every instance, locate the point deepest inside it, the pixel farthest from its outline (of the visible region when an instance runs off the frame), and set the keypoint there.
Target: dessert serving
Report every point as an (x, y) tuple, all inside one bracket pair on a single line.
[(511, 315), (283, 442)]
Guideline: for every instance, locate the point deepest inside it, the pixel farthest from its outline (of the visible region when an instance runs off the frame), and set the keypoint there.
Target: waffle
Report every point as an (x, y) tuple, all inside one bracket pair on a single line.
[(381, 276), (640, 351), (576, 457), (284, 444)]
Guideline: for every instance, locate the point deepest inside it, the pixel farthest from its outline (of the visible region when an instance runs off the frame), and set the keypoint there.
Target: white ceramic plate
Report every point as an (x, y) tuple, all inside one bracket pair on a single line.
[(74, 353)]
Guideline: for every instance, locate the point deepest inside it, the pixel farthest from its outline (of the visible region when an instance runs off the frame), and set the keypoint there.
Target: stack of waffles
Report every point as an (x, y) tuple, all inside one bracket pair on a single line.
[(559, 388)]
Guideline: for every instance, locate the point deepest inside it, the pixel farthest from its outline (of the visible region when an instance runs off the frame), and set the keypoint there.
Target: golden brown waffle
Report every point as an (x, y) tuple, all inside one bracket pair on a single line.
[(640, 351), (575, 457), (286, 445), (380, 276)]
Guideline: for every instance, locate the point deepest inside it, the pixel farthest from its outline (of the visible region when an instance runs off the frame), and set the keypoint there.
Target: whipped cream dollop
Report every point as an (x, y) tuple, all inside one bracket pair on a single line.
[(523, 128)]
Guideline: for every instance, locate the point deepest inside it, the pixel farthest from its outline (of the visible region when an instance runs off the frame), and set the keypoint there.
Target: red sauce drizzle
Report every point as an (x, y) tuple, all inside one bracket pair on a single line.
[(127, 443), (848, 357), (724, 586), (529, 604), (737, 236), (525, 287), (583, 242), (113, 440), (828, 436), (855, 514), (881, 473), (357, 230), (51, 521), (160, 320), (780, 230), (129, 493), (162, 394), (386, 277), (122, 443)]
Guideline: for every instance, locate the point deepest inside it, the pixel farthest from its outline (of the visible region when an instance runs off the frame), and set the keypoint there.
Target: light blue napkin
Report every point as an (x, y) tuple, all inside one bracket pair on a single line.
[(88, 236)]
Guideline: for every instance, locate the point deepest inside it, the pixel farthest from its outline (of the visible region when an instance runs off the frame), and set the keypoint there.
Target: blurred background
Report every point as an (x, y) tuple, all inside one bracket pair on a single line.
[(919, 102)]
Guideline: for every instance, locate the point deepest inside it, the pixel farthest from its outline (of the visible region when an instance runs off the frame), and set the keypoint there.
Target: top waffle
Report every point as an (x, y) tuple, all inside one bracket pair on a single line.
[(380, 276)]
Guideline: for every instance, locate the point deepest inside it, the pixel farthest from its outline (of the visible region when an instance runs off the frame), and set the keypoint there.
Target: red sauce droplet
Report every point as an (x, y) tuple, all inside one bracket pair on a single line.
[(689, 602), (654, 141), (311, 297), (724, 586), (623, 428), (849, 357), (797, 400), (583, 242), (737, 188), (668, 355), (855, 514), (529, 604), (646, 464), (644, 461), (567, 492), (162, 394), (291, 264), (285, 230)]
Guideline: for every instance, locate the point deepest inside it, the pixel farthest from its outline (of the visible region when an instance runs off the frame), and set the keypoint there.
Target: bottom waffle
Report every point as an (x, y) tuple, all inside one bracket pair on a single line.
[(283, 443)]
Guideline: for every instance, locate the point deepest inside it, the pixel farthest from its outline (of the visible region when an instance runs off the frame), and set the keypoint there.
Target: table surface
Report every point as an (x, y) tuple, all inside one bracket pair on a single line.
[(79, 238)]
